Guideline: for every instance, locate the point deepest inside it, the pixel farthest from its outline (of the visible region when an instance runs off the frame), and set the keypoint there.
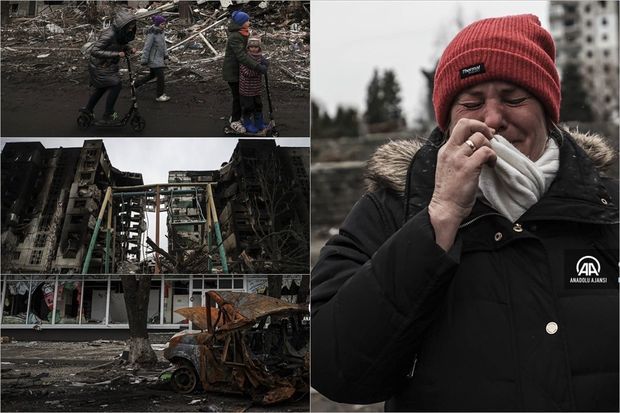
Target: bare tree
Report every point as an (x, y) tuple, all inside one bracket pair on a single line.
[(136, 293), (185, 11), (276, 212), (304, 289), (92, 12), (4, 11), (274, 286)]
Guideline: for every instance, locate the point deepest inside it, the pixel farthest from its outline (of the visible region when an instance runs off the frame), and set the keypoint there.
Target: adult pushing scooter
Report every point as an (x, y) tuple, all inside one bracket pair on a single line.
[(105, 55), (86, 118)]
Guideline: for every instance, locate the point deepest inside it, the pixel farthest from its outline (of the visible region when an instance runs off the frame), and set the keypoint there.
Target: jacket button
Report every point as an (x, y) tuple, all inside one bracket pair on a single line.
[(551, 328), (604, 201), (498, 236), (517, 228)]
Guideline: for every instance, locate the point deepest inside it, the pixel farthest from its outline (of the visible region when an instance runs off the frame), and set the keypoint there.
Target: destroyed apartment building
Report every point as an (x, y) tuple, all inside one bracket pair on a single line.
[(50, 199), (68, 210)]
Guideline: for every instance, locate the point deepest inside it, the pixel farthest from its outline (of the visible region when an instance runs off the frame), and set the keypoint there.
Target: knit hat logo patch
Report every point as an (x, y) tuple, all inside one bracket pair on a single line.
[(472, 70)]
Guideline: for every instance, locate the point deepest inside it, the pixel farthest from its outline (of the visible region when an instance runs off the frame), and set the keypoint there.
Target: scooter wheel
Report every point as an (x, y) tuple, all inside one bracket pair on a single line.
[(138, 123), (84, 121)]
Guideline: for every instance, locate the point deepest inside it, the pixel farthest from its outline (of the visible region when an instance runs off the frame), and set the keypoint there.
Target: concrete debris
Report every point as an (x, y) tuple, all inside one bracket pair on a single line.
[(22, 380), (54, 28)]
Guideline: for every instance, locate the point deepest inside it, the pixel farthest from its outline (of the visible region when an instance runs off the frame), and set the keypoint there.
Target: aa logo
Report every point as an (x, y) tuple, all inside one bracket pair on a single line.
[(588, 266)]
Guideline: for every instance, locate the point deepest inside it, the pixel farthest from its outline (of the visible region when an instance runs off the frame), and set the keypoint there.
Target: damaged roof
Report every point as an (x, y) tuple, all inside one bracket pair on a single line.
[(239, 309)]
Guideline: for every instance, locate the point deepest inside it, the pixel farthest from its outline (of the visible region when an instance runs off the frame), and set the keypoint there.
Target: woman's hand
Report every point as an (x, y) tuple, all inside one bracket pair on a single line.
[(459, 163)]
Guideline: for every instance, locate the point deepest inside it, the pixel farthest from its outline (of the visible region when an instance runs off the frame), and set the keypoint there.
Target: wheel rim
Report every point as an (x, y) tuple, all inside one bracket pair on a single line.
[(184, 380)]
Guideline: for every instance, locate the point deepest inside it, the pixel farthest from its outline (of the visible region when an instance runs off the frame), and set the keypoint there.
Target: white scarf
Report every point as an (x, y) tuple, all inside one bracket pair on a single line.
[(516, 183)]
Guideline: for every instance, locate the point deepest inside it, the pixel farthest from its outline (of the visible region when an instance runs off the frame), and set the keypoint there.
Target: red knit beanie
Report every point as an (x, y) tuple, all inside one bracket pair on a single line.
[(514, 49)]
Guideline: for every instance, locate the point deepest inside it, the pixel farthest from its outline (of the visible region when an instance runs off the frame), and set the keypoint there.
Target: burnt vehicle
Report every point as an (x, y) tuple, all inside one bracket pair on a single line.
[(249, 344)]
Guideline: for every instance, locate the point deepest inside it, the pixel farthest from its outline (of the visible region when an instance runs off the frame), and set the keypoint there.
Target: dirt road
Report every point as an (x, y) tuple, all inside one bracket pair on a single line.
[(89, 376), (44, 105)]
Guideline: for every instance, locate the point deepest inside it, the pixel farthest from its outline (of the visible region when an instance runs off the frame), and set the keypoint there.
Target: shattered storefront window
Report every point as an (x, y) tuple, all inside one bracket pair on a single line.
[(155, 301), (68, 301), (99, 300), (118, 310), (16, 299), (176, 295), (209, 283), (95, 301)]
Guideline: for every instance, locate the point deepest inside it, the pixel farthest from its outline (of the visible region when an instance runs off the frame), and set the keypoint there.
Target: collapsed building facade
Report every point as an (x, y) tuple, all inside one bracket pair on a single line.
[(262, 204), (250, 216), (50, 198)]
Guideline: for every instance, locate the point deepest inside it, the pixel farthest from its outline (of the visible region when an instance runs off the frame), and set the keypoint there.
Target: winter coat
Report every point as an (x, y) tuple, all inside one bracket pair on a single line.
[(236, 54), (397, 318), (155, 50), (103, 65), (250, 80)]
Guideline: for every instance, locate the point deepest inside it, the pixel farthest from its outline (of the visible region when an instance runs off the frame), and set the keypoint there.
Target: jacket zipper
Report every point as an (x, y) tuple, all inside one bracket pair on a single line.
[(477, 218), (415, 361)]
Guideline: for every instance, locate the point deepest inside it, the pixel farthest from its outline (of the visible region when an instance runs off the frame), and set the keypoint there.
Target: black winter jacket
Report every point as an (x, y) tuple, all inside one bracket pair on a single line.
[(396, 318), (103, 64), (236, 54)]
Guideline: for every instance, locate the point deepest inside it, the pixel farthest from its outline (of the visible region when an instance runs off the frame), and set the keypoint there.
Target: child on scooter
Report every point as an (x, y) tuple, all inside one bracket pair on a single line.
[(153, 55), (250, 89), (238, 33), (103, 65)]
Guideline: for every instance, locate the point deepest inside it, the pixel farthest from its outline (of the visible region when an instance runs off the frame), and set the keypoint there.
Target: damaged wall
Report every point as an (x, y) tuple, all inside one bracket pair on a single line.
[(50, 200), (262, 201)]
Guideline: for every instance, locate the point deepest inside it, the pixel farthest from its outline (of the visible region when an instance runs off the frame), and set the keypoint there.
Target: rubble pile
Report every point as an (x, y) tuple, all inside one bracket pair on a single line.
[(51, 44)]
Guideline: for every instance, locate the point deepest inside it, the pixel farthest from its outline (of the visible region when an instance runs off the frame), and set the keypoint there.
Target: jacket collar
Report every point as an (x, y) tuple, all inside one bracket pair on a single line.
[(577, 193)]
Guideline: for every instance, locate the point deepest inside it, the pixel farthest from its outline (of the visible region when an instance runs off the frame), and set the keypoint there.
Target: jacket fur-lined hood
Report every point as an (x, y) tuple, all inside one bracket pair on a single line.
[(388, 166)]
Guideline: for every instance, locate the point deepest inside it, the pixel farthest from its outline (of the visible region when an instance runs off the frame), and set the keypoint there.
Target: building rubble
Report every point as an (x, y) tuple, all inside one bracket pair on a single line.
[(53, 41)]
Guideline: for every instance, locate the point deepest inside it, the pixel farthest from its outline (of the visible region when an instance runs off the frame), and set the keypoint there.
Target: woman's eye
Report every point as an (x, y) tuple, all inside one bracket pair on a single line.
[(516, 101), (471, 105)]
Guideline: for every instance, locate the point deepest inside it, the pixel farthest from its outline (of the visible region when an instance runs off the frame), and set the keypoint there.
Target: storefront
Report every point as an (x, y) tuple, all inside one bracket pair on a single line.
[(90, 302)]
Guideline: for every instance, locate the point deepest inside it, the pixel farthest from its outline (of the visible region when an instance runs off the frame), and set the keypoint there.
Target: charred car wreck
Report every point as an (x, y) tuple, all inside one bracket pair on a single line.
[(250, 344)]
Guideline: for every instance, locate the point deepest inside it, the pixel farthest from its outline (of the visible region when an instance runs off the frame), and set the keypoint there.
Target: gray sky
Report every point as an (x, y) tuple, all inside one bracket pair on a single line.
[(154, 157), (351, 38)]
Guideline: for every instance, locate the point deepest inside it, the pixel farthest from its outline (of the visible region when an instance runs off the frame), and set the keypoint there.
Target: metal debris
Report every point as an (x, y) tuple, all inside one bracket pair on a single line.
[(250, 344)]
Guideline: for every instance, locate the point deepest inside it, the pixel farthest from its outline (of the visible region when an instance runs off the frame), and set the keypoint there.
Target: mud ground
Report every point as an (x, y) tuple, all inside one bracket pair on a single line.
[(44, 104), (321, 403), (91, 377)]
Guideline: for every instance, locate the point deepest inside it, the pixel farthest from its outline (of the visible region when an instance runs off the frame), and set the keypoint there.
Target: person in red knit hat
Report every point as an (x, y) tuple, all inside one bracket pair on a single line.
[(479, 271)]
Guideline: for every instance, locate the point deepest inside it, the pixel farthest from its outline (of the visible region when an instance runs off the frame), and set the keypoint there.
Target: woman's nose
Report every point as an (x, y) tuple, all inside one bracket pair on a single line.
[(495, 116)]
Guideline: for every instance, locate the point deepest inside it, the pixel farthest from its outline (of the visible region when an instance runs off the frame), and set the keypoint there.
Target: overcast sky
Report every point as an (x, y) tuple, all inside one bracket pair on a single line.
[(154, 157), (351, 38)]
